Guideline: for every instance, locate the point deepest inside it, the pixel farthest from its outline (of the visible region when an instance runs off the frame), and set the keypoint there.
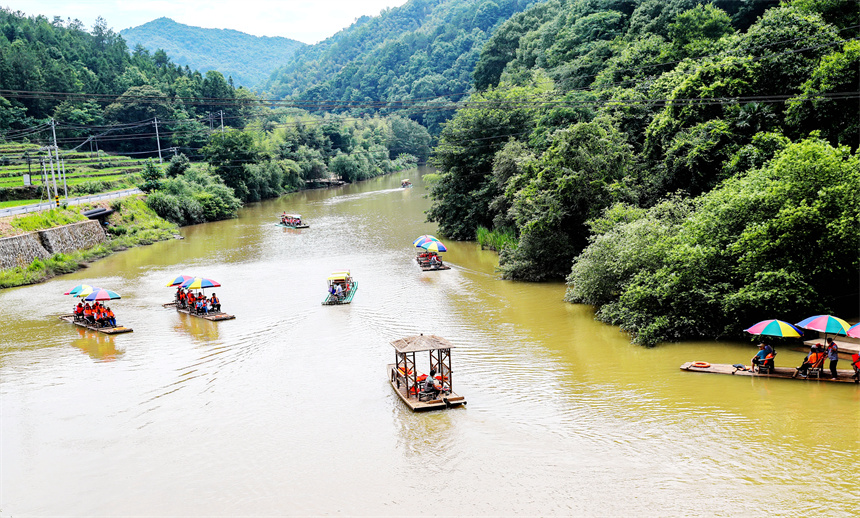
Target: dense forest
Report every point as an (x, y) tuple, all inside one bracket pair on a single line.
[(137, 102), (247, 60), (690, 167), (416, 59)]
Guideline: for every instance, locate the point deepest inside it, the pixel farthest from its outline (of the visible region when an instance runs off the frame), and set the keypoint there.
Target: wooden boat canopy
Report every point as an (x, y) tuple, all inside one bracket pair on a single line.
[(418, 343)]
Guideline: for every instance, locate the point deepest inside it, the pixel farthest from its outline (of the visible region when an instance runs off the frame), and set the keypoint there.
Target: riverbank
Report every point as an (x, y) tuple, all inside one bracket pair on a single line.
[(132, 223)]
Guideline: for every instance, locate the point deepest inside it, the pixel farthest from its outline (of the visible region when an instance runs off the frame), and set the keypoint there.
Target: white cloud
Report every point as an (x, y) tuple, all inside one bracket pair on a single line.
[(303, 20)]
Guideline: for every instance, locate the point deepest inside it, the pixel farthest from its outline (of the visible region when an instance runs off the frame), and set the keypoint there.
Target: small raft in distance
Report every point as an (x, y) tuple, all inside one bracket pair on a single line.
[(297, 218), (844, 376), (106, 330), (213, 316)]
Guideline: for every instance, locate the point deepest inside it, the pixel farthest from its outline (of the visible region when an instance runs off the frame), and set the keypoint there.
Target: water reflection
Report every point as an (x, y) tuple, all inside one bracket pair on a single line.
[(200, 329), (98, 346)]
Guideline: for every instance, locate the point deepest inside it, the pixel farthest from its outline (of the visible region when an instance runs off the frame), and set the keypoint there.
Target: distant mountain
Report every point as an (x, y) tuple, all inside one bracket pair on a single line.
[(248, 59), (424, 51)]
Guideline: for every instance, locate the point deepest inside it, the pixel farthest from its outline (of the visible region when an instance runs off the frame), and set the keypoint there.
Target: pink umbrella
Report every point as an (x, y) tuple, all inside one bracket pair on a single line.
[(854, 331)]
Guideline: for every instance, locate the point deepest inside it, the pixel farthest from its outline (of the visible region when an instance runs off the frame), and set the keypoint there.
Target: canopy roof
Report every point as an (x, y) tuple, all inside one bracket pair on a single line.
[(419, 343), (297, 216), (338, 276)]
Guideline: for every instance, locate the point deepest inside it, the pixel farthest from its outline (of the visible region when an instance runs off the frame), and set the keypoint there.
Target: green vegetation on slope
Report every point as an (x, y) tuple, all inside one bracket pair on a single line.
[(604, 131), (247, 59), (422, 52)]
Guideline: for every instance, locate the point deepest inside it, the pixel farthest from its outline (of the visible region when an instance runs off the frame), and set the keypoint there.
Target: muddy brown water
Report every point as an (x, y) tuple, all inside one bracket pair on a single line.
[(287, 409)]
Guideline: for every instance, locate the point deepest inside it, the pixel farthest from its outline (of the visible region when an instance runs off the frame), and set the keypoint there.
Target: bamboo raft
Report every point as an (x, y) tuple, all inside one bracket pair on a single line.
[(406, 381), (331, 300), (292, 226), (843, 376), (214, 316), (106, 330), (427, 267)]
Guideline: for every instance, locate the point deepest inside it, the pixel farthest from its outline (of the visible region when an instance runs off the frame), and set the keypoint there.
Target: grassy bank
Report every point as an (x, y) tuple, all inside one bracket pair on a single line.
[(496, 239), (132, 224)]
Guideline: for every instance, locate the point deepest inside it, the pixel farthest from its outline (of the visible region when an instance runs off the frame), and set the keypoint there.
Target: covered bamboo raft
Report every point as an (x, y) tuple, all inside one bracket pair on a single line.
[(844, 376), (409, 383), (108, 330)]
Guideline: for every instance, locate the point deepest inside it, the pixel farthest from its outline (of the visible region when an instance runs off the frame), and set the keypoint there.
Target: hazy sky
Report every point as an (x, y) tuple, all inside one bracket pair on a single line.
[(308, 21)]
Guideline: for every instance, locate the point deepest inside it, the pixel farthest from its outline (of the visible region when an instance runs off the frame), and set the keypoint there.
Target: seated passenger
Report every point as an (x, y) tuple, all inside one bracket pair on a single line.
[(338, 291), (814, 359), (111, 318), (79, 311), (764, 357), (202, 307), (215, 303), (433, 386), (88, 315), (855, 362)]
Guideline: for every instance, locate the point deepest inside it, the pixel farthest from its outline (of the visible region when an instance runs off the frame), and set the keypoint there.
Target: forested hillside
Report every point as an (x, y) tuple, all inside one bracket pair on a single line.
[(691, 167), (247, 59), (422, 53), (102, 96)]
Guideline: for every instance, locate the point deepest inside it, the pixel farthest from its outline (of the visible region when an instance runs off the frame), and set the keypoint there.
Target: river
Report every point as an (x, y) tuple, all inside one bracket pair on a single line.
[(286, 410)]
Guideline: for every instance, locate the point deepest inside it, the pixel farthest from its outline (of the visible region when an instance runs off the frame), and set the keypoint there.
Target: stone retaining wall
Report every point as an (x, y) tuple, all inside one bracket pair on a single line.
[(21, 250)]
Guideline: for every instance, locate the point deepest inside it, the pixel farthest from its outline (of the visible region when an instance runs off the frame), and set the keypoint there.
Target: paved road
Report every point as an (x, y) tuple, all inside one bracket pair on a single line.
[(23, 209)]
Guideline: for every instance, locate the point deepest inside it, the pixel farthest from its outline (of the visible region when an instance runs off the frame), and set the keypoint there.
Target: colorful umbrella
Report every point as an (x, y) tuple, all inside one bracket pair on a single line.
[(77, 289), (102, 294), (426, 238), (854, 331), (434, 246), (86, 291), (179, 280), (825, 324), (198, 283), (774, 327)]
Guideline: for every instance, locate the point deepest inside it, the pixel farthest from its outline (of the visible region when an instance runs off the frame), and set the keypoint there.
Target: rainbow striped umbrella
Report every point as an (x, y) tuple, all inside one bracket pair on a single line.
[(198, 283), (86, 291), (825, 324), (79, 288), (854, 331), (102, 294), (179, 280), (434, 246), (426, 238), (774, 327)]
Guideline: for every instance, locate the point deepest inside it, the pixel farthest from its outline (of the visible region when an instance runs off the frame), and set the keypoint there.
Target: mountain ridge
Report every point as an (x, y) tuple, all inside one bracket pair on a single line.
[(248, 59)]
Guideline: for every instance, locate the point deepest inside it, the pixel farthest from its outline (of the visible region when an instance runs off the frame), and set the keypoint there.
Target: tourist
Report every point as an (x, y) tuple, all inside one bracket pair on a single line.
[(215, 303), (832, 351), (79, 311), (201, 306), (88, 315), (761, 358), (338, 291), (814, 359), (432, 386), (110, 317)]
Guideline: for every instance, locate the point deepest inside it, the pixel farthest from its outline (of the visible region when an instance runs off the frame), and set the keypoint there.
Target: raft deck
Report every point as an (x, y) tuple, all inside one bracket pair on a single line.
[(214, 316), (843, 376), (106, 330), (331, 300), (292, 226), (449, 400), (427, 267)]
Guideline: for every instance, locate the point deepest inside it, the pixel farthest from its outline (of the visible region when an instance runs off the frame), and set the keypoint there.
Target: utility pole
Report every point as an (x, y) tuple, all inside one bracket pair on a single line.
[(157, 139), (65, 188), (222, 120), (53, 176), (57, 156)]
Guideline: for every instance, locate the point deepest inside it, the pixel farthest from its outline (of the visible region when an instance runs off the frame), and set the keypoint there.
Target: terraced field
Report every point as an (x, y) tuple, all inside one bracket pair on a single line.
[(86, 173)]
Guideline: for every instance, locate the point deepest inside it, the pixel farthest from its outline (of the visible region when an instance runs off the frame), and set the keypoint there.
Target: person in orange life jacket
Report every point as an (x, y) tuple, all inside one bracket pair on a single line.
[(855, 362), (79, 311), (215, 303), (88, 314), (832, 352), (816, 355), (201, 306), (109, 316)]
